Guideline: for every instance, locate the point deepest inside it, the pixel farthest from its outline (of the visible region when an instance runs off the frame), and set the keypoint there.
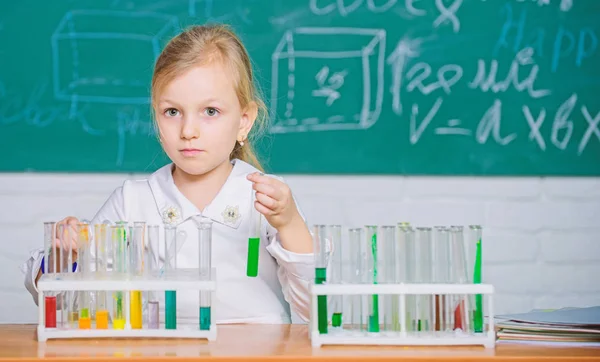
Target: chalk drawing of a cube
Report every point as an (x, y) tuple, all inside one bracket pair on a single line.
[(107, 56), (327, 79)]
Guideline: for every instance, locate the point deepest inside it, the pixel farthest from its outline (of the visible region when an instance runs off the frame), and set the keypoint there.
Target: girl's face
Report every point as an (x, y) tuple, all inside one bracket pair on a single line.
[(200, 119)]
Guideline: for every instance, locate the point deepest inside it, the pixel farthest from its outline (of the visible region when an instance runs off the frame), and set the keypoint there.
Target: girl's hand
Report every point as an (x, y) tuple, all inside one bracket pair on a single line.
[(274, 200), (69, 236), (64, 235)]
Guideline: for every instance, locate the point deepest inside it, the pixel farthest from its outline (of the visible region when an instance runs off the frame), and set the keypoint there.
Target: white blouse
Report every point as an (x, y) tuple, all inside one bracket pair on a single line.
[(283, 276)]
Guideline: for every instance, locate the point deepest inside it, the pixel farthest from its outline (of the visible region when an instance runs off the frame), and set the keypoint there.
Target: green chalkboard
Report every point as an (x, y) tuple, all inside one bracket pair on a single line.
[(446, 87)]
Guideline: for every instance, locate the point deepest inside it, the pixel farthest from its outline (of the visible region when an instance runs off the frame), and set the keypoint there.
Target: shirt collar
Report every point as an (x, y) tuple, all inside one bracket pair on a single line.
[(232, 203)]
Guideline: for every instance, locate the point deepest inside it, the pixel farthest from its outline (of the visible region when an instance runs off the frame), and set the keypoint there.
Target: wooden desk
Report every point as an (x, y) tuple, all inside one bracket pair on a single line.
[(258, 343)]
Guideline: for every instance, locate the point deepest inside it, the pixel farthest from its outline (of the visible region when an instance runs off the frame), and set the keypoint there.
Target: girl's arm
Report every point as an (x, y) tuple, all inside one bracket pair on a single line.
[(112, 210)]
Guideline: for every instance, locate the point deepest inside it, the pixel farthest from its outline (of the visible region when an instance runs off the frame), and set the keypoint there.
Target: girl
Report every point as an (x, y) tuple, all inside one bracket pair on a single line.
[(205, 106)]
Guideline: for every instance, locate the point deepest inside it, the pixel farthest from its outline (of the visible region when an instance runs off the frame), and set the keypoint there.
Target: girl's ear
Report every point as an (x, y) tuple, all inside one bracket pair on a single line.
[(248, 117)]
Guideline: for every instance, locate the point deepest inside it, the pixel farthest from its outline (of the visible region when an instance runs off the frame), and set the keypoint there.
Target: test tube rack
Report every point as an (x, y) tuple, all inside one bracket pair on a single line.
[(180, 279), (341, 336)]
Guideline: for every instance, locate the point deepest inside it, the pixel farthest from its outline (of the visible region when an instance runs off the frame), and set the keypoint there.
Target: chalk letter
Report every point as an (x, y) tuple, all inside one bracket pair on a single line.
[(381, 8), (412, 10), (320, 11), (557, 51), (592, 128), (448, 14), (345, 10), (535, 126), (561, 121), (490, 122), (509, 24), (582, 51), (415, 133)]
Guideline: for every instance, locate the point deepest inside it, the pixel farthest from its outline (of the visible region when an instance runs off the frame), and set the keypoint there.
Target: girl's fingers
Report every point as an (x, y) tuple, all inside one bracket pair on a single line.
[(266, 201), (262, 209), (267, 189)]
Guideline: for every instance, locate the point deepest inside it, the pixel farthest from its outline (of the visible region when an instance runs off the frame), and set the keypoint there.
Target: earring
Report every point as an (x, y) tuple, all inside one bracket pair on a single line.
[(241, 143)]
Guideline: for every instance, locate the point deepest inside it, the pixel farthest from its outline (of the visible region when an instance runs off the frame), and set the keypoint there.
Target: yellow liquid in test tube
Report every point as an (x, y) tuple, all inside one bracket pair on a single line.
[(118, 323), (136, 309)]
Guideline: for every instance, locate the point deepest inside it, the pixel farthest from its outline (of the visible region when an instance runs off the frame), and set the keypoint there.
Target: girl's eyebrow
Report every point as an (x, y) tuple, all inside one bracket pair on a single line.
[(168, 101)]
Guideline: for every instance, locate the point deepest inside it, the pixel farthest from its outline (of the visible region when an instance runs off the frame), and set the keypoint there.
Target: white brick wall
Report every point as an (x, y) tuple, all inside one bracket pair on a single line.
[(541, 236)]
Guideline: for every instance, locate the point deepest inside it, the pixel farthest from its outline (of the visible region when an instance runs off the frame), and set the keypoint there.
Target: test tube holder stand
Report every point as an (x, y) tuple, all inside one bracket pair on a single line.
[(181, 279), (339, 336)]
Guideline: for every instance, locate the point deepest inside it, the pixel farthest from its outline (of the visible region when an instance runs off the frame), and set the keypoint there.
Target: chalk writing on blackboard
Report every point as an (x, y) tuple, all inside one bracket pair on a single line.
[(357, 64)]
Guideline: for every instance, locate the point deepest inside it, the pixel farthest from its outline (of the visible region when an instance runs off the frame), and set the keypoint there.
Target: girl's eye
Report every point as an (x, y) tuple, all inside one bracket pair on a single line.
[(171, 112), (211, 111)]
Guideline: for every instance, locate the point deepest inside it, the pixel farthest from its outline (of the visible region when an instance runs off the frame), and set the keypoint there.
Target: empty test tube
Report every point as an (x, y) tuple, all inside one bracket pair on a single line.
[(387, 241), (152, 268), (101, 260), (170, 267), (320, 251), (85, 268), (405, 240), (372, 274), (355, 276), (50, 298), (337, 306), (119, 267), (204, 268)]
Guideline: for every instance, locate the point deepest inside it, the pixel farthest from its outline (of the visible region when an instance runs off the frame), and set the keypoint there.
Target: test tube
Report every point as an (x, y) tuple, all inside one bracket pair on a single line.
[(204, 268), (85, 268), (136, 267), (425, 307), (440, 272), (404, 262), (119, 267), (50, 298), (320, 251), (101, 260), (170, 267), (152, 267), (58, 267), (67, 239), (337, 306), (372, 274), (458, 270), (387, 241), (355, 276), (253, 240), (475, 259)]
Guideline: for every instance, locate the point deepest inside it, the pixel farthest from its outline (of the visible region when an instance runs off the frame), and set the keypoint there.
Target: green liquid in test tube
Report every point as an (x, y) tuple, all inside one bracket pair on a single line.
[(320, 251), (170, 267), (204, 268), (372, 267), (335, 235), (475, 239), (253, 240)]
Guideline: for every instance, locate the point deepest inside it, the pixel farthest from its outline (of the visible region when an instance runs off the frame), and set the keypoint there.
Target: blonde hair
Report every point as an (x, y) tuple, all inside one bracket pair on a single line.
[(200, 45)]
